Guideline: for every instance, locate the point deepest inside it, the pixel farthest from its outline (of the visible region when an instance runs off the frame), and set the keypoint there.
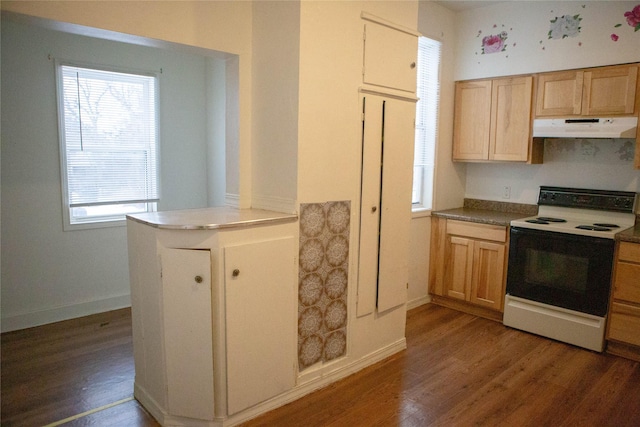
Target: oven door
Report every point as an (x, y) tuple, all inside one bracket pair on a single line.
[(559, 269)]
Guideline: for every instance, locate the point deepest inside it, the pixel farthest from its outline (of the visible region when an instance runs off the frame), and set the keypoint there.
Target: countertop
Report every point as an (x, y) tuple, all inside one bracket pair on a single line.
[(630, 234), (211, 218), (499, 213), (488, 212), (483, 216)]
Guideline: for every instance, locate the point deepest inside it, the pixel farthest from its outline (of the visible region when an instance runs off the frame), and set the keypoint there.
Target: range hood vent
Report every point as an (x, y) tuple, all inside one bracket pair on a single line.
[(616, 127)]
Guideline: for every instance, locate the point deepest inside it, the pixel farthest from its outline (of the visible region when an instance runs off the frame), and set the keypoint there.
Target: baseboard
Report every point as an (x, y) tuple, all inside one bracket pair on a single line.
[(58, 314), (320, 382), (299, 391), (417, 302)]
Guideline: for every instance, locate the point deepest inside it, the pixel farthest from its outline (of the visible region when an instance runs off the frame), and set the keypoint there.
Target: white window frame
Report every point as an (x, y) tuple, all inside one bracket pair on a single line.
[(427, 114), (106, 214)]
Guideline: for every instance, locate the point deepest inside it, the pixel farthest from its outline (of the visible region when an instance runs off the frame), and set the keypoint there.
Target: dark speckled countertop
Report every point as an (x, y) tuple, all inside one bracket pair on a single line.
[(502, 213), (488, 212), (631, 234)]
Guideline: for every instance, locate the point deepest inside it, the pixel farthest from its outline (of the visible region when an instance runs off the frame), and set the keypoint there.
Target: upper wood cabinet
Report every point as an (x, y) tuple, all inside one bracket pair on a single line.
[(604, 91), (390, 54), (492, 120)]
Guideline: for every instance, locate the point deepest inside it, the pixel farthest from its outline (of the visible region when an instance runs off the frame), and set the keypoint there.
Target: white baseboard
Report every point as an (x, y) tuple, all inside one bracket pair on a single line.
[(299, 391), (58, 314), (418, 302)]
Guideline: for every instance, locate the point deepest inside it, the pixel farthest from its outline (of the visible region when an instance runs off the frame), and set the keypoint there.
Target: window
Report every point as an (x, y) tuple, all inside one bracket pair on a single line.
[(109, 145), (428, 91)]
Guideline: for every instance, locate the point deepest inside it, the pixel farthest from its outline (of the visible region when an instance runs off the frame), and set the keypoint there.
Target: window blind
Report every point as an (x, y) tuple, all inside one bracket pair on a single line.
[(428, 92), (110, 137)]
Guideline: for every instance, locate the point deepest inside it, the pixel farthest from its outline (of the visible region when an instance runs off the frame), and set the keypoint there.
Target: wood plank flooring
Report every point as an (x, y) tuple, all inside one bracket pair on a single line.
[(458, 370)]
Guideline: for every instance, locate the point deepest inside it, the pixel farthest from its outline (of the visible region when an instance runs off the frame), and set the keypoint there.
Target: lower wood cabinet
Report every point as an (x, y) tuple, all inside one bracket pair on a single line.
[(623, 328), (468, 266)]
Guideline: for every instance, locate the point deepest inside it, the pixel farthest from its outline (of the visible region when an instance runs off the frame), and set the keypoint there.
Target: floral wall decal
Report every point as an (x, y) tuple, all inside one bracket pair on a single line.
[(633, 19), (494, 43), (565, 26)]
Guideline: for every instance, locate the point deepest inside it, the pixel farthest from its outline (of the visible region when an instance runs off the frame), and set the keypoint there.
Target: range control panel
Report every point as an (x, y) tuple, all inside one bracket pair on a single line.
[(618, 201)]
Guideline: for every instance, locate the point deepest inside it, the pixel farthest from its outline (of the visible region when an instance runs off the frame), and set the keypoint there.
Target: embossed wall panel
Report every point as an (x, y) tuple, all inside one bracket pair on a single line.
[(322, 282)]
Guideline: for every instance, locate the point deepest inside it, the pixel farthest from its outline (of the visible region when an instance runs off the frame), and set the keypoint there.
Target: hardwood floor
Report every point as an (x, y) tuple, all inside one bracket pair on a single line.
[(458, 370), (57, 371)]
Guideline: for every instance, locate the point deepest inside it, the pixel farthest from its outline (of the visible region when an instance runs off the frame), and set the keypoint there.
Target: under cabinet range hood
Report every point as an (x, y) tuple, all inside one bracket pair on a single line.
[(612, 127)]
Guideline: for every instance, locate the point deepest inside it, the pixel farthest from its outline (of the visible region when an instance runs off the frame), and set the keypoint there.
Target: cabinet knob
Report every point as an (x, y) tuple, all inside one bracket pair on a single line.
[(412, 65), (374, 209), (235, 273), (198, 279)]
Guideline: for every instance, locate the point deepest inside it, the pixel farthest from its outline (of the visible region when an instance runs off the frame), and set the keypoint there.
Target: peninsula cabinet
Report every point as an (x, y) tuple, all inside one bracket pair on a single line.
[(214, 311), (468, 265), (492, 120), (602, 91), (623, 329)]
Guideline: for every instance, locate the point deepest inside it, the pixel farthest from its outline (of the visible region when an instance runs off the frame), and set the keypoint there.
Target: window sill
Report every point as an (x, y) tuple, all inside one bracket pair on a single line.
[(420, 213)]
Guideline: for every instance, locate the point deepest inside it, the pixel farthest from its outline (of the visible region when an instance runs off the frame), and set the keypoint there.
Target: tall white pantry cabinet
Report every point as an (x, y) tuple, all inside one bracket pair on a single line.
[(388, 138)]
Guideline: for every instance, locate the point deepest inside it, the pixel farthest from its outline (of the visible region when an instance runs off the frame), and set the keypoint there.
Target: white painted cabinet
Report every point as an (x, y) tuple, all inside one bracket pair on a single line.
[(261, 332), (385, 208), (186, 295), (214, 311), (390, 54)]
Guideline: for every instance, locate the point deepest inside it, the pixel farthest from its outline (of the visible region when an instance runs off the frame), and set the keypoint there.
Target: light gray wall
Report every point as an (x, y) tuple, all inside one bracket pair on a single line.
[(49, 274)]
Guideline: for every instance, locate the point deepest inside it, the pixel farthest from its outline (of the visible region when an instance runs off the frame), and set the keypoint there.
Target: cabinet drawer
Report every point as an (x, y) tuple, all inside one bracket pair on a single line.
[(629, 252), (474, 230), (627, 284), (624, 323)]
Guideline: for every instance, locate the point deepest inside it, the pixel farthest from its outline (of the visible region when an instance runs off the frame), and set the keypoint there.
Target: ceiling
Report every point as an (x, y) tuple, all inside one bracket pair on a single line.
[(458, 5)]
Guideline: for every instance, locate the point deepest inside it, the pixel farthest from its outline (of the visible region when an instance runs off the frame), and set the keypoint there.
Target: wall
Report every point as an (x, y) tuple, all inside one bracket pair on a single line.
[(220, 26), (48, 274), (276, 57), (329, 141), (602, 164)]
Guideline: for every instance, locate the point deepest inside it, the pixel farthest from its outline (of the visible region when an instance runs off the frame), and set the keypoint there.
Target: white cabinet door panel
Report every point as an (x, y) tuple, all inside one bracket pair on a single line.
[(186, 282), (370, 205), (395, 222), (260, 280), (390, 57), (385, 211)]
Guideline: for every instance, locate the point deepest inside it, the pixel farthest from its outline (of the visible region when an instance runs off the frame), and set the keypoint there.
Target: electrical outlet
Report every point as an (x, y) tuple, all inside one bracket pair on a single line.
[(506, 192)]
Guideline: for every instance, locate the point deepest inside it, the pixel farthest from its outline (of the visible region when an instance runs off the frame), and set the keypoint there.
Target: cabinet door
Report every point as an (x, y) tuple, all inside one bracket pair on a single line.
[(510, 119), (390, 57), (385, 207), (259, 280), (458, 270), (371, 177), (395, 217), (487, 284), (472, 120), (609, 91), (559, 94), (186, 290)]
